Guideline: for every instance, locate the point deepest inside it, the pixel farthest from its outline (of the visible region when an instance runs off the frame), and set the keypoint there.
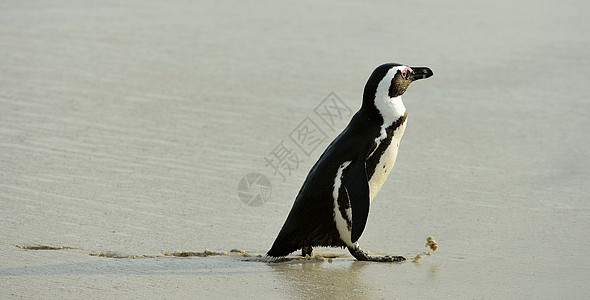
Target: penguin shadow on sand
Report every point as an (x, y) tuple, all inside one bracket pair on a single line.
[(320, 277), (329, 279)]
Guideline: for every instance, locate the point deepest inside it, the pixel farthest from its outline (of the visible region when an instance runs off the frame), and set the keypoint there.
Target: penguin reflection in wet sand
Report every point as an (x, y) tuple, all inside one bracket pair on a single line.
[(332, 206)]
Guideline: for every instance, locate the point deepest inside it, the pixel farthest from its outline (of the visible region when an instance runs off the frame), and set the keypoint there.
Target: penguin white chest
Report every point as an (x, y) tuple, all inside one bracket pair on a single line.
[(386, 162)]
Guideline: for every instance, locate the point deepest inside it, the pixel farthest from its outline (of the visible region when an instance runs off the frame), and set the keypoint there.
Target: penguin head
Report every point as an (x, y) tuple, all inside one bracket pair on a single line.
[(391, 80)]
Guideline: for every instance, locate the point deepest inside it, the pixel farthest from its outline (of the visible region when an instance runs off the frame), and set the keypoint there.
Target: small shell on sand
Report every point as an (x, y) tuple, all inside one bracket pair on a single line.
[(430, 242)]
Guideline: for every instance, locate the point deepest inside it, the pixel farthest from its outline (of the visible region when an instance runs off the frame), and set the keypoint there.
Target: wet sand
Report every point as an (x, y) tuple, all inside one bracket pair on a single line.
[(126, 128)]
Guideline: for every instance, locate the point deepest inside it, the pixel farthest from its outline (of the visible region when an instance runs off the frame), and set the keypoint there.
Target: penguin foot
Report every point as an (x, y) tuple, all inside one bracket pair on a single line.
[(362, 255), (307, 250)]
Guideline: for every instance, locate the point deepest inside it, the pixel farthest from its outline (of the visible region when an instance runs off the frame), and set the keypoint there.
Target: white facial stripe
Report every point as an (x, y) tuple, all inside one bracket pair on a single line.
[(383, 87), (391, 109)]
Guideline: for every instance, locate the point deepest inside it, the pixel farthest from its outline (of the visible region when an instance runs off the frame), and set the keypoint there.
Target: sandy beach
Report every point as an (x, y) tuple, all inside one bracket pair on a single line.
[(130, 131)]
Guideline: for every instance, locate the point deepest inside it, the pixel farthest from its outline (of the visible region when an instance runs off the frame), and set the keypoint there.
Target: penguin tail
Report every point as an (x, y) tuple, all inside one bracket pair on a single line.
[(282, 247)]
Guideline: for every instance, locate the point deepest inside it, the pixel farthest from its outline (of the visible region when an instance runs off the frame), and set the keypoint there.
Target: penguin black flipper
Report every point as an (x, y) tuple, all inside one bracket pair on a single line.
[(357, 186)]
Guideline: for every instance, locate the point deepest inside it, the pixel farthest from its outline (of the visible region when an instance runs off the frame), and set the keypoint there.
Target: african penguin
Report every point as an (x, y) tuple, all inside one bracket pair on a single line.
[(332, 206)]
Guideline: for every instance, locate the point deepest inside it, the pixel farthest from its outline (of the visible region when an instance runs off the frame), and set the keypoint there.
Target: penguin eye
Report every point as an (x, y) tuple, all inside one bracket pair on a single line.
[(405, 72)]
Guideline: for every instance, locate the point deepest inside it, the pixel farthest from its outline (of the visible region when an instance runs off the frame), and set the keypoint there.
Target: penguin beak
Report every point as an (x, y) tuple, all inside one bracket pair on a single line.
[(420, 73)]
